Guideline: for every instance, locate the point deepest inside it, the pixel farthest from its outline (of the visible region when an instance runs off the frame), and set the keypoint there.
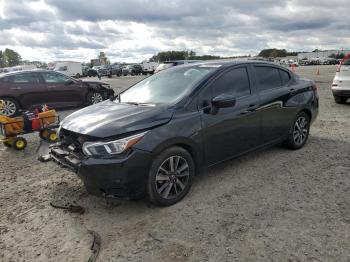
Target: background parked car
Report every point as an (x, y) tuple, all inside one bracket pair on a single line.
[(149, 67), (103, 70), (92, 72), (114, 69), (135, 69), (341, 83), (73, 69), (30, 89)]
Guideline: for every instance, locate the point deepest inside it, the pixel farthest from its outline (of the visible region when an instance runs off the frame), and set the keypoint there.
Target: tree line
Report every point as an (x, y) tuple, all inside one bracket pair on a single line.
[(274, 52), (181, 55), (9, 58)]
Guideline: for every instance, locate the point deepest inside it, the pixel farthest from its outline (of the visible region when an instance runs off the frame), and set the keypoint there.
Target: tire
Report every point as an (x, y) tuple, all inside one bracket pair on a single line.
[(165, 189), (94, 97), (19, 143), (44, 134), (52, 136), (299, 132), (340, 99), (7, 144), (9, 107), (78, 76)]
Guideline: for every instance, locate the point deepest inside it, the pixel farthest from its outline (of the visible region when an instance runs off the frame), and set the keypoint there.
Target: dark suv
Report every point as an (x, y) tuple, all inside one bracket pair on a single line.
[(132, 70), (29, 89), (155, 136)]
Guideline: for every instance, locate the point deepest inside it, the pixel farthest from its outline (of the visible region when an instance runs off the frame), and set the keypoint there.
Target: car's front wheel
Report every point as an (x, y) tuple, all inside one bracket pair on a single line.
[(299, 132), (94, 97), (8, 107), (170, 176)]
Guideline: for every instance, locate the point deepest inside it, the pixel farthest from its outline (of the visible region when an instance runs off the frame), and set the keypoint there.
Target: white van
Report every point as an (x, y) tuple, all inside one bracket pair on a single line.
[(73, 69), (149, 67)]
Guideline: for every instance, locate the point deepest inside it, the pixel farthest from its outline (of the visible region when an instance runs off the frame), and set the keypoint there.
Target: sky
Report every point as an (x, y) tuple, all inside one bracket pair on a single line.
[(135, 30)]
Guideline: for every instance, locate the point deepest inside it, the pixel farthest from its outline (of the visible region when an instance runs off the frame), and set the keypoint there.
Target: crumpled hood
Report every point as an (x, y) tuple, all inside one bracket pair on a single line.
[(109, 118)]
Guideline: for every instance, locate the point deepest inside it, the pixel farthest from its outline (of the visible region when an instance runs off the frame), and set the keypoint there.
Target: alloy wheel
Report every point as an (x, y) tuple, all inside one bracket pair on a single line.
[(8, 108), (300, 130), (96, 98), (172, 177)]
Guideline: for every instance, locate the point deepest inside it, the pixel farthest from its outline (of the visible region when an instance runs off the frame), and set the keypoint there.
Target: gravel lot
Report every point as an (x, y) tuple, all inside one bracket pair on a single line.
[(271, 205)]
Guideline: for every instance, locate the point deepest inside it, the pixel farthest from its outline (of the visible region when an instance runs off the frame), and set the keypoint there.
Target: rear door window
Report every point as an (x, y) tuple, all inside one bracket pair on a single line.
[(268, 77), (235, 82), (26, 78)]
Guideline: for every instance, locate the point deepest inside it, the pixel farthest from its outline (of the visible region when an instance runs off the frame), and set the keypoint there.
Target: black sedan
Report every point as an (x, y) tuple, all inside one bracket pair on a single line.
[(157, 135)]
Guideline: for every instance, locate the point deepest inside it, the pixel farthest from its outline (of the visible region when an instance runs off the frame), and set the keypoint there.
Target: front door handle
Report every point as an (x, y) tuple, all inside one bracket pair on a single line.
[(252, 108)]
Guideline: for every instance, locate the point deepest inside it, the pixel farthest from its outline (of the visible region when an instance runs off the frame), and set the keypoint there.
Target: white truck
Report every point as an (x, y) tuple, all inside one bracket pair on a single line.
[(148, 67), (73, 69)]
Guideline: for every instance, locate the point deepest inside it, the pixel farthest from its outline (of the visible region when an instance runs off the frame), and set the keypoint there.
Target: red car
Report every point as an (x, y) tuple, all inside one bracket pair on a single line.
[(26, 90)]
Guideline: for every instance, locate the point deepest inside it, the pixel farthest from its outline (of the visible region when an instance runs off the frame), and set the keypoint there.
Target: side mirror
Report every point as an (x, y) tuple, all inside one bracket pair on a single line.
[(223, 101)]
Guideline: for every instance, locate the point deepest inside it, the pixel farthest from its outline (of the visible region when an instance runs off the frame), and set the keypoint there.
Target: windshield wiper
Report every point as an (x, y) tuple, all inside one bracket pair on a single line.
[(140, 104), (132, 103)]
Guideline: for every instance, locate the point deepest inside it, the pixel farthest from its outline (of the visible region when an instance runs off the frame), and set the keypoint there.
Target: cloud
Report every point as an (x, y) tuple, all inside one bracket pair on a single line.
[(136, 29)]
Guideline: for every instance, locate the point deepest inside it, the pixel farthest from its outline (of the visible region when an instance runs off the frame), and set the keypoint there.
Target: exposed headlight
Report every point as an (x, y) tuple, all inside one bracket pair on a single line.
[(111, 147)]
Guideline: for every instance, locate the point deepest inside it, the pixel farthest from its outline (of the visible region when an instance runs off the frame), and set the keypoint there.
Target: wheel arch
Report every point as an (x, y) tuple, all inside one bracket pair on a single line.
[(186, 144), (308, 112), (13, 98)]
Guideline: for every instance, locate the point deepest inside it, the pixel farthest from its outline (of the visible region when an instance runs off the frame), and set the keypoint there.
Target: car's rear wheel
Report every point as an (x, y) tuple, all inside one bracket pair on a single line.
[(299, 132), (170, 176), (340, 99), (9, 107), (94, 97)]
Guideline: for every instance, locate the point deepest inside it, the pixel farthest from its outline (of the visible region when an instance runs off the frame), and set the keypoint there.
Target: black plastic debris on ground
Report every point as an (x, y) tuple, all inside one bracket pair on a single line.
[(69, 207), (95, 246)]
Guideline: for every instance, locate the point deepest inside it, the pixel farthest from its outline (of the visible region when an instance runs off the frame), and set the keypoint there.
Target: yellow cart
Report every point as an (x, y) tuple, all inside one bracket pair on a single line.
[(11, 129)]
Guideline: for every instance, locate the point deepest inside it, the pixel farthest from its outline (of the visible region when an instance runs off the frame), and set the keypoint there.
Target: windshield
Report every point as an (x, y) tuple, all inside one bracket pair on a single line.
[(167, 86)]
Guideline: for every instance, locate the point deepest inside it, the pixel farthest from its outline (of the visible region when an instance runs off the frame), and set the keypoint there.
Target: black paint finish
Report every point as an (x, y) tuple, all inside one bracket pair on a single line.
[(210, 134)]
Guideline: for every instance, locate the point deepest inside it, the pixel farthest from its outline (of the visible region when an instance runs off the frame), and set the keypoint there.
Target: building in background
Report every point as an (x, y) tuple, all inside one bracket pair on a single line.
[(322, 54), (99, 61)]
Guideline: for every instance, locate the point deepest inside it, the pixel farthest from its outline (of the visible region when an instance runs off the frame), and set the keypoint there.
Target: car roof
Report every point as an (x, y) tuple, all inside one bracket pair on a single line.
[(228, 63), (26, 71)]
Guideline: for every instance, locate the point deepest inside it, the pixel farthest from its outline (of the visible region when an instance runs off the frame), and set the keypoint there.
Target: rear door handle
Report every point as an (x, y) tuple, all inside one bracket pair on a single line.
[(250, 109), (292, 91)]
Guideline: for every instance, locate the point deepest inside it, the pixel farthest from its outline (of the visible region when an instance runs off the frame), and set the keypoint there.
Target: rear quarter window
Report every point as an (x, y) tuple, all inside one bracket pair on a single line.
[(268, 77), (285, 77)]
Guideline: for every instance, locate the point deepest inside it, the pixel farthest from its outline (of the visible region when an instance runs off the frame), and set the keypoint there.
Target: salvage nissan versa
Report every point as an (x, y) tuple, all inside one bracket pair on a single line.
[(154, 137)]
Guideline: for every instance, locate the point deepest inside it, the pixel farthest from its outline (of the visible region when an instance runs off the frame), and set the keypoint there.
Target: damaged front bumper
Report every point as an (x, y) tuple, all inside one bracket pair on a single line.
[(123, 177)]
